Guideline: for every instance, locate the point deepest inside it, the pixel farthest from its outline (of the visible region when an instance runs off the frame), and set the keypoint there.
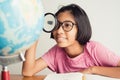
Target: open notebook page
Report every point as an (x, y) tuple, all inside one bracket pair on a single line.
[(77, 76)]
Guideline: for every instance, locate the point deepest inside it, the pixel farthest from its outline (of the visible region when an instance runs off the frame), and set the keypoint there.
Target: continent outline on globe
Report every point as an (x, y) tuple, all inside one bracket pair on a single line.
[(21, 22)]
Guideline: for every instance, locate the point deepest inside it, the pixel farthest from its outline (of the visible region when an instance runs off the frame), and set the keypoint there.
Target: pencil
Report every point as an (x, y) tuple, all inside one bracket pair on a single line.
[(83, 77)]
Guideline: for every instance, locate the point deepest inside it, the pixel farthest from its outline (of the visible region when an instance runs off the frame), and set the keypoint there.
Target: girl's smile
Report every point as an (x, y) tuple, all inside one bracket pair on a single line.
[(65, 35)]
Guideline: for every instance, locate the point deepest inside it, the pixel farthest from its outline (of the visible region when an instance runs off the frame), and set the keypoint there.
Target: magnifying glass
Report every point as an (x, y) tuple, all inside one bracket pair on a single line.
[(49, 23)]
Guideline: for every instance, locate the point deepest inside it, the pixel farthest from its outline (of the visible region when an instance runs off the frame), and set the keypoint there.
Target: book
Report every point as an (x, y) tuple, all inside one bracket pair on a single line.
[(76, 76)]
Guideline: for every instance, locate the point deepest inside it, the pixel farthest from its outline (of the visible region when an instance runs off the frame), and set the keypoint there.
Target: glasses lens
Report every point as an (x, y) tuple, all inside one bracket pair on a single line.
[(49, 23), (67, 26)]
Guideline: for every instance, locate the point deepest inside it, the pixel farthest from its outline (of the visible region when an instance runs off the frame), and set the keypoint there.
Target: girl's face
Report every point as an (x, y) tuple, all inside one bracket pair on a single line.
[(62, 37)]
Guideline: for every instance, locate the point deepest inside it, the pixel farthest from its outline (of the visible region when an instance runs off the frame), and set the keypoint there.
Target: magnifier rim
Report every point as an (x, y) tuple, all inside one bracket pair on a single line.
[(55, 22)]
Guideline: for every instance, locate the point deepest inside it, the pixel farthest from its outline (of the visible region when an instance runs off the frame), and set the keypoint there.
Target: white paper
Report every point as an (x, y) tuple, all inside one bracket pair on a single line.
[(76, 76), (65, 76), (98, 77)]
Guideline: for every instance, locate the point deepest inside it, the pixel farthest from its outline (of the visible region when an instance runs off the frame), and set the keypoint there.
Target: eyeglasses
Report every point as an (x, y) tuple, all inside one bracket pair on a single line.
[(51, 24), (66, 25)]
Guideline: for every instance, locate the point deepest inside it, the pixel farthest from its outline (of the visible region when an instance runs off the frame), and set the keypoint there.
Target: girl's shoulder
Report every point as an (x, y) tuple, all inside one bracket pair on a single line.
[(55, 49), (93, 43)]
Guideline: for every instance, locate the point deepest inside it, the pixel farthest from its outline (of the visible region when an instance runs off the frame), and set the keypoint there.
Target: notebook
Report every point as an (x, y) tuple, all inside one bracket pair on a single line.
[(76, 76)]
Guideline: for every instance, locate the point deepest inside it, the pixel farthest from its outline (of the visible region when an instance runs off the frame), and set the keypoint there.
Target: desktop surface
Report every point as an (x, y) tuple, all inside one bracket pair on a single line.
[(20, 77)]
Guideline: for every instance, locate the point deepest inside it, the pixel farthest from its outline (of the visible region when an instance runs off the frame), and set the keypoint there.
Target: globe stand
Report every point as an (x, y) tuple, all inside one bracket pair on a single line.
[(7, 60)]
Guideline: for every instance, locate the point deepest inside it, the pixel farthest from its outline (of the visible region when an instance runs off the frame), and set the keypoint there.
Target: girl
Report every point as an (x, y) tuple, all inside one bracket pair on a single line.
[(74, 51)]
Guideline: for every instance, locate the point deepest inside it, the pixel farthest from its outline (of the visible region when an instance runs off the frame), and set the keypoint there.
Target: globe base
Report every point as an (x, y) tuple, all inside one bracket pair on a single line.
[(7, 60)]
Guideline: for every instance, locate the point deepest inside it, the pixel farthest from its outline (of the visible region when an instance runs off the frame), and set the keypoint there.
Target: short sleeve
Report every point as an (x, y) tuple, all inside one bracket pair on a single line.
[(104, 56), (49, 58)]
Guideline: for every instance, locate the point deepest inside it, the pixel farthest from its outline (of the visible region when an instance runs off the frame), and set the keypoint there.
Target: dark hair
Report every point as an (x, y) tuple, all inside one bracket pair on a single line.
[(82, 21)]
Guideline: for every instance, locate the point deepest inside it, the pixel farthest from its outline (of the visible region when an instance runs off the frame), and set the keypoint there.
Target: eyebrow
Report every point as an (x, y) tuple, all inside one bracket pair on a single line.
[(67, 21)]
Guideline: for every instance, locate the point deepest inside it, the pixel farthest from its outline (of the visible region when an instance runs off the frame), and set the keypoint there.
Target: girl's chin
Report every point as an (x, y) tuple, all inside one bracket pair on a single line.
[(61, 44)]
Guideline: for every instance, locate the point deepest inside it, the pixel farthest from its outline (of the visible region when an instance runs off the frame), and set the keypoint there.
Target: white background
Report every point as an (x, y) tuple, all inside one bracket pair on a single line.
[(104, 16)]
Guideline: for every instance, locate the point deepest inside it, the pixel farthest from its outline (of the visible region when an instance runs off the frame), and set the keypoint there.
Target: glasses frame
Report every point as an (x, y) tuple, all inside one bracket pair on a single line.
[(60, 24)]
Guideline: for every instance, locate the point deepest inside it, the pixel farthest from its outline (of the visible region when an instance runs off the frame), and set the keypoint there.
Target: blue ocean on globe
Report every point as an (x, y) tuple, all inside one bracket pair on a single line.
[(21, 22)]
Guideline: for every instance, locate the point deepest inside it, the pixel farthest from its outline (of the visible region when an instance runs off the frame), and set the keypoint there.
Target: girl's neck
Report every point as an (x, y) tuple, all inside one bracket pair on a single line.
[(74, 50)]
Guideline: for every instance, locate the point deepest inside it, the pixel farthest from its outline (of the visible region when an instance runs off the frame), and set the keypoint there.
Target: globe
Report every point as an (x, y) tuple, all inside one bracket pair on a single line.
[(21, 22)]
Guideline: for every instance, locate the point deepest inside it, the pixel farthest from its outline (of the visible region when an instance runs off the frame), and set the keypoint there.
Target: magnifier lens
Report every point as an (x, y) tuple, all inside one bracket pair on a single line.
[(49, 22)]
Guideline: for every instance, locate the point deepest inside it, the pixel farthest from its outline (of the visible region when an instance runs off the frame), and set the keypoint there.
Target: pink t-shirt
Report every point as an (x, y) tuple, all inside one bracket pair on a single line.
[(94, 54)]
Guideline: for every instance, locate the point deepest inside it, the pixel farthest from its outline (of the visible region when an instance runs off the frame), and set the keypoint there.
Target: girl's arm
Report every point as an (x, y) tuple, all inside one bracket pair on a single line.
[(105, 71), (32, 65)]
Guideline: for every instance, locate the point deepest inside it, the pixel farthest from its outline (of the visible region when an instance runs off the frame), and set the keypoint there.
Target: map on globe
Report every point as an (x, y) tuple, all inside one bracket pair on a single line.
[(21, 22)]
